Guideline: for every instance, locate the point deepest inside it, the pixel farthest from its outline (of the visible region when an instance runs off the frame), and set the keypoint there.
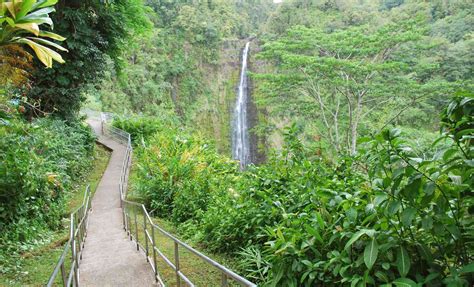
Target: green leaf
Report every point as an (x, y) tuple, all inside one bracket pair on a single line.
[(393, 207), (357, 235), (427, 223), (49, 43), (30, 27), (464, 132), (431, 277), (44, 3), (370, 253), (381, 275), (448, 153), (44, 54), (395, 133), (467, 269), (405, 282), (26, 7), (320, 221), (407, 216), (314, 232), (36, 19), (11, 8), (51, 35), (403, 261)]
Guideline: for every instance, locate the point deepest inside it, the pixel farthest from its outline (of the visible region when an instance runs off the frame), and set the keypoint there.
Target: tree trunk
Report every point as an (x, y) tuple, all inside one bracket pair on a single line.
[(355, 123)]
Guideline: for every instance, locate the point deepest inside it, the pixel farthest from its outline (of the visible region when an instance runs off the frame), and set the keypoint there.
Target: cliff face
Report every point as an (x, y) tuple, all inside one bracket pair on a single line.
[(214, 116), (256, 113)]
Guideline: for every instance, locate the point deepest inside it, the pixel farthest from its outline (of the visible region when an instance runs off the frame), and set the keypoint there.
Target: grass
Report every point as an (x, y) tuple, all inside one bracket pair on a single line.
[(35, 266)]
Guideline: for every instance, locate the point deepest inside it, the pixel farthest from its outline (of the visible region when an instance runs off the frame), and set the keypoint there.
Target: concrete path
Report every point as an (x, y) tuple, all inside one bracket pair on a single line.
[(109, 257)]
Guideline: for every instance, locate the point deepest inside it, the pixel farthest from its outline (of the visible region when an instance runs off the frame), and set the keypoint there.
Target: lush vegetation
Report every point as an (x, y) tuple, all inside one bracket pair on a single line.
[(387, 216), (186, 65), (45, 147), (348, 99), (25, 17), (41, 162), (33, 262), (345, 70)]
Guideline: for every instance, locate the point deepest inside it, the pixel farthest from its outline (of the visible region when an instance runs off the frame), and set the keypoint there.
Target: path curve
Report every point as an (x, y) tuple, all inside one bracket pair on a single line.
[(109, 257)]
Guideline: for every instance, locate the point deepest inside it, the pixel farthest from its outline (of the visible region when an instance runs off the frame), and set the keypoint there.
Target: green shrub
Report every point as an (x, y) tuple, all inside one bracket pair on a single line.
[(144, 127), (39, 163), (177, 173)]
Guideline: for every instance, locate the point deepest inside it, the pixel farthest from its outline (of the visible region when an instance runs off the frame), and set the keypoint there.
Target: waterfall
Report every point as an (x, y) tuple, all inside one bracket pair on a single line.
[(240, 135)]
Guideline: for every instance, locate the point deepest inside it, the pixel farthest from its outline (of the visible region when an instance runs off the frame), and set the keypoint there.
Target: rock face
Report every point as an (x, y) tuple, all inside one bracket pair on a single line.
[(254, 113)]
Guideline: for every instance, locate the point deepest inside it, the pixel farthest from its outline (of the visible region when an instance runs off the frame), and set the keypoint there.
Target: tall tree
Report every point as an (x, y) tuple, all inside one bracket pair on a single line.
[(95, 32), (344, 75)]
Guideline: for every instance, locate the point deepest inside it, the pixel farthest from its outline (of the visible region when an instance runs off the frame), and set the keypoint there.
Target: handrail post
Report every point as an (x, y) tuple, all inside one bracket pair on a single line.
[(136, 230), (63, 274), (124, 220), (73, 252), (176, 263), (129, 228), (154, 251), (79, 230), (145, 231), (224, 280), (120, 191)]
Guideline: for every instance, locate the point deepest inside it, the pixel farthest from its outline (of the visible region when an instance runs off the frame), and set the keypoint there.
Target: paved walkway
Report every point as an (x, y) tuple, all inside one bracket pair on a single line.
[(109, 257)]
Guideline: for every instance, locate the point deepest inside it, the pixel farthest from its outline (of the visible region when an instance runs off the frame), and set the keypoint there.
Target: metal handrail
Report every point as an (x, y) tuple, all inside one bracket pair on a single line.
[(149, 227), (77, 236)]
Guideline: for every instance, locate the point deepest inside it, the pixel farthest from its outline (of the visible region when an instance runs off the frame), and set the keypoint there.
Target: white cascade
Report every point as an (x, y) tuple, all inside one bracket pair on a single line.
[(240, 135)]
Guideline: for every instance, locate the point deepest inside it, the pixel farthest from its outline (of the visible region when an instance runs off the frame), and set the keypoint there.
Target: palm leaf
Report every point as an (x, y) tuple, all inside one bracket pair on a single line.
[(49, 43), (40, 13), (11, 7), (26, 7), (50, 35), (30, 27), (44, 3), (38, 20), (44, 54)]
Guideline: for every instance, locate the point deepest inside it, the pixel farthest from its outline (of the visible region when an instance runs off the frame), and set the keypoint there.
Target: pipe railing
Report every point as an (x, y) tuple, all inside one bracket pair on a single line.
[(68, 263), (135, 214)]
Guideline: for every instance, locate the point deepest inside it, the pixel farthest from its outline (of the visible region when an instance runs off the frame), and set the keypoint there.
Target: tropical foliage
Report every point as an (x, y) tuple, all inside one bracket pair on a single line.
[(390, 216), (20, 24), (96, 33), (187, 65), (363, 108), (345, 70), (40, 161)]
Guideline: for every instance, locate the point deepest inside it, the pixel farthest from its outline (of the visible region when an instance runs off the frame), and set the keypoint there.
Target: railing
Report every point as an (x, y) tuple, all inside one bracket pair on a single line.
[(135, 215), (72, 252)]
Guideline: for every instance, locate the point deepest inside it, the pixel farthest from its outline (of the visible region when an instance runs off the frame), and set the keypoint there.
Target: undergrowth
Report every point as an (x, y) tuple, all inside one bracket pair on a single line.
[(32, 262)]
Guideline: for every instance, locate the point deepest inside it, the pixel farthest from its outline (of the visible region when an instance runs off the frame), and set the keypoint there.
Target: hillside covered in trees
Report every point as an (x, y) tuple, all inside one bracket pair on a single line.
[(360, 125)]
